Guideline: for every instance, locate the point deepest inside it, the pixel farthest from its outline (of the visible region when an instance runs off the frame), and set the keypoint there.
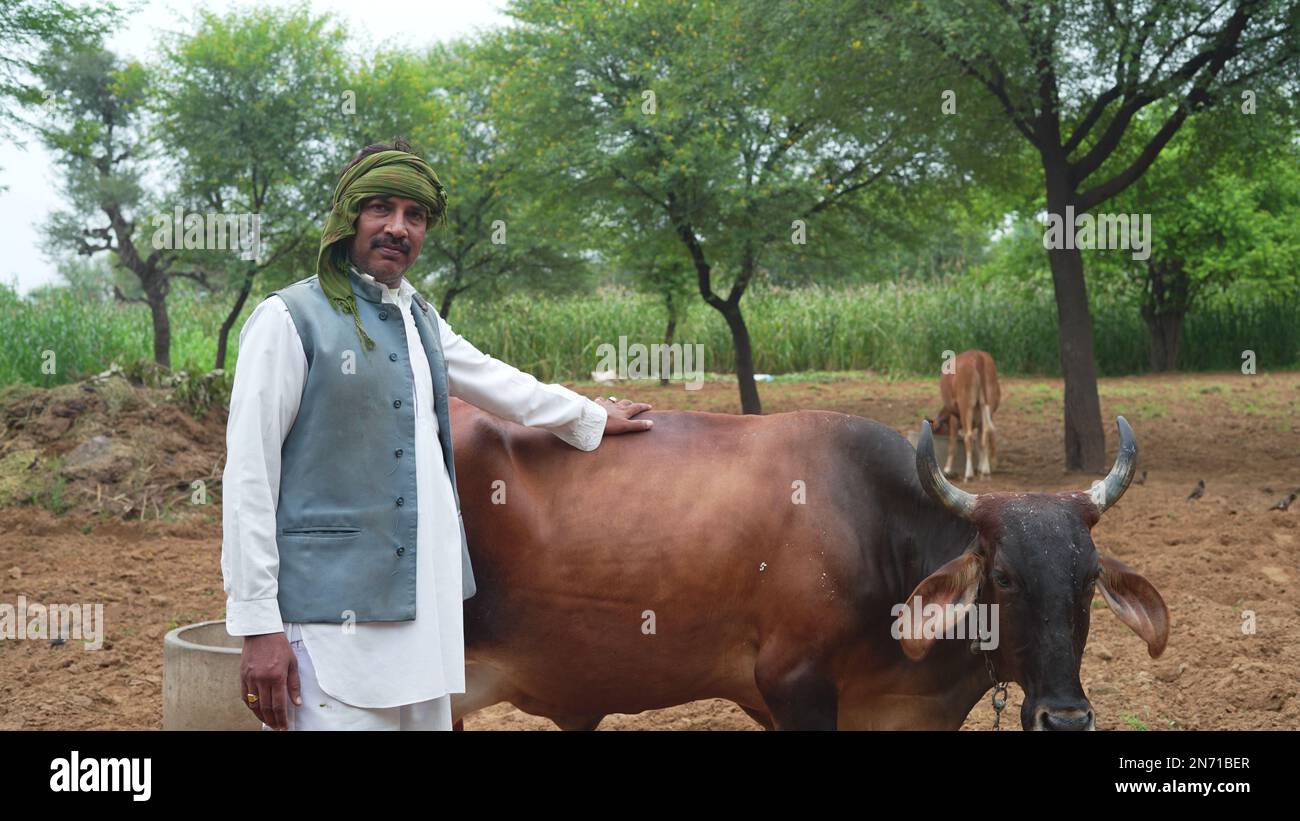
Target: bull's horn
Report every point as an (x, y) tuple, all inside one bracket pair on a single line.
[(933, 480), (1106, 492)]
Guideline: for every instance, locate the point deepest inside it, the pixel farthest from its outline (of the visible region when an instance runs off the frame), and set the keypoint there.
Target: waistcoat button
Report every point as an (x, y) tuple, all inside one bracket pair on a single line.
[(401, 550), (392, 357), (397, 452), (383, 314), (397, 403), (400, 501)]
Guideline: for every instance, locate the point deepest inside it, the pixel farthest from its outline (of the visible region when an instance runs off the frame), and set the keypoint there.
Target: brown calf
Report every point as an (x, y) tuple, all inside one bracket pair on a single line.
[(970, 398)]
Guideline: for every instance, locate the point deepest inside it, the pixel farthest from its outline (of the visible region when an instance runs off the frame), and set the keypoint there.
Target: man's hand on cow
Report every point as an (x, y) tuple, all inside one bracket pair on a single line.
[(268, 669), (620, 415)]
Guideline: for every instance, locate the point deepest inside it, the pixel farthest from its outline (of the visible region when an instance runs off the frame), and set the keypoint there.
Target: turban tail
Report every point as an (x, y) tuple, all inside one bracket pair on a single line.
[(391, 173)]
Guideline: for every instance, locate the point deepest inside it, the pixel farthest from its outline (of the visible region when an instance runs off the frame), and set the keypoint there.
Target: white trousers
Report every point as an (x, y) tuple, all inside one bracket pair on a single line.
[(321, 711)]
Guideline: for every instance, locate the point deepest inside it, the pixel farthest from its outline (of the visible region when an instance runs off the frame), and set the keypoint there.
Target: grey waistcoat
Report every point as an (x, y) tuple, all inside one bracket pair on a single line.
[(346, 518)]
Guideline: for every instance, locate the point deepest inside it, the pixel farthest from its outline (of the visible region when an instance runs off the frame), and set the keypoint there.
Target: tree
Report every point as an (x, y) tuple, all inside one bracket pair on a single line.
[(101, 138), (249, 109), (88, 279), (497, 234), (27, 27), (653, 263), (737, 148), (1225, 208), (1072, 78)]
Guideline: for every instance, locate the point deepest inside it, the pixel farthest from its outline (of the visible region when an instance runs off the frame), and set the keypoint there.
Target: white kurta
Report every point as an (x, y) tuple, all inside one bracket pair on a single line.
[(372, 664)]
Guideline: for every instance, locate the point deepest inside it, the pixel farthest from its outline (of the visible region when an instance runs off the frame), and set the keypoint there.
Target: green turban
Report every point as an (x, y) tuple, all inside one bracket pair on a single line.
[(392, 173)]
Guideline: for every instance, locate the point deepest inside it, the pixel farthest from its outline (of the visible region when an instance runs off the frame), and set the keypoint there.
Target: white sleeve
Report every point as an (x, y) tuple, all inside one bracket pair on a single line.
[(269, 378), (508, 392)]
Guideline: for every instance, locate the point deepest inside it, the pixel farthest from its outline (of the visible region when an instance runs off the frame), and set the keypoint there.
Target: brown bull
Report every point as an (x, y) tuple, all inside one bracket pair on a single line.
[(761, 559)]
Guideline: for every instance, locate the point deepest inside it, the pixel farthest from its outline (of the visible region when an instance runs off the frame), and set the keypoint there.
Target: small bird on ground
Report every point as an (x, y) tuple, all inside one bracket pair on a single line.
[(1198, 491), (1284, 503)]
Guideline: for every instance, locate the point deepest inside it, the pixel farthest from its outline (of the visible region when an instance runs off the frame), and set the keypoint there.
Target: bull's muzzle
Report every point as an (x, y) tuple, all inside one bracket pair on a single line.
[(1047, 717)]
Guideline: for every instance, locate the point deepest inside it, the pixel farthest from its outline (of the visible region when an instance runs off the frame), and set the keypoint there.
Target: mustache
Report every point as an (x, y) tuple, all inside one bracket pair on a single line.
[(401, 245)]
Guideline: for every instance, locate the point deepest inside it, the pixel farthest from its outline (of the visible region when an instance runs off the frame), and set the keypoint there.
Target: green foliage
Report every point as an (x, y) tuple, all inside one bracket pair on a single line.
[(686, 133), (249, 120), (191, 388), (26, 478), (889, 328), (764, 112), (86, 337), (28, 25), (198, 391), (51, 495), (503, 228), (1133, 722)]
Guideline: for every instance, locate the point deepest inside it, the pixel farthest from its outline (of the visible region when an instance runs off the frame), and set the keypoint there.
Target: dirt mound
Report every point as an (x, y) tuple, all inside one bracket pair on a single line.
[(110, 448)]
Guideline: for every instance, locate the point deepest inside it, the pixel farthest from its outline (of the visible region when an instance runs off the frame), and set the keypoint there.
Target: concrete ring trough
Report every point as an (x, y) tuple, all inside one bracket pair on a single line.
[(201, 680)]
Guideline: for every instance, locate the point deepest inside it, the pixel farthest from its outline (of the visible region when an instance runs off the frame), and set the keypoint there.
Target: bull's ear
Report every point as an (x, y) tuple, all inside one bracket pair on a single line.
[(1137, 603), (957, 582)]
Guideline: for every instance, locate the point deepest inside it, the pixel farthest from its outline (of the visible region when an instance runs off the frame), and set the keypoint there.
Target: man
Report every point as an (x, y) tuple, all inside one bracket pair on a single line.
[(343, 550)]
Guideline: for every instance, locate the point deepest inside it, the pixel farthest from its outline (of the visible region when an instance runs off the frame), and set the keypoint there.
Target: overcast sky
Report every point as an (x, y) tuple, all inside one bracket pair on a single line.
[(32, 179)]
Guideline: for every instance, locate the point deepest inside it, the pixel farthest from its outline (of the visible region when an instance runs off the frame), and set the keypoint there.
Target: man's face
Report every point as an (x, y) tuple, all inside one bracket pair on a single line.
[(390, 231)]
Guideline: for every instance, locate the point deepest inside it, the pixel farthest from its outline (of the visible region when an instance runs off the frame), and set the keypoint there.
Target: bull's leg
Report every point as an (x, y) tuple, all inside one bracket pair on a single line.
[(763, 719), (484, 686), (798, 695), (986, 441), (577, 722)]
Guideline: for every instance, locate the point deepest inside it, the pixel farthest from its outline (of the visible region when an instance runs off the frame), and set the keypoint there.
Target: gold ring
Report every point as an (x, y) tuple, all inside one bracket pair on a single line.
[(252, 697)]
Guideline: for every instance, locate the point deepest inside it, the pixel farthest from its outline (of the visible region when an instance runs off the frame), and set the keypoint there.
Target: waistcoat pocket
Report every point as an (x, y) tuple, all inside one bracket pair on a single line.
[(320, 531)]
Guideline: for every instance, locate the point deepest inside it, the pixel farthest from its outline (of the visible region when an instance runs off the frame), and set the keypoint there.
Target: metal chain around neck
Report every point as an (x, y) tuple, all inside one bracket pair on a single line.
[(999, 697)]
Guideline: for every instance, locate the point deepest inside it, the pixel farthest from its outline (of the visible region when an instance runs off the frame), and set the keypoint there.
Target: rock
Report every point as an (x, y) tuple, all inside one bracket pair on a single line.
[(1169, 673), (1102, 653), (15, 573), (99, 458)]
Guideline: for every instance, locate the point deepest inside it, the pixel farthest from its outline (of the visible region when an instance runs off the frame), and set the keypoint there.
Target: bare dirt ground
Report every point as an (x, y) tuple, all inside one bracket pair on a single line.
[(126, 536)]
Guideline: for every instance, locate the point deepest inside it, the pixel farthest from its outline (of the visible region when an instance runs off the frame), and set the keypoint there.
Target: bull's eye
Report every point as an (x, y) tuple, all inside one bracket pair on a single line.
[(1001, 579)]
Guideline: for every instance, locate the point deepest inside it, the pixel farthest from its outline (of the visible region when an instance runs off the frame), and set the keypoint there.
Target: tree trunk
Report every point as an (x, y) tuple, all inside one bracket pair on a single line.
[(729, 308), (1166, 332), (444, 310), (749, 402), (448, 296), (223, 336), (162, 327), (1163, 310), (669, 333), (1085, 441)]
